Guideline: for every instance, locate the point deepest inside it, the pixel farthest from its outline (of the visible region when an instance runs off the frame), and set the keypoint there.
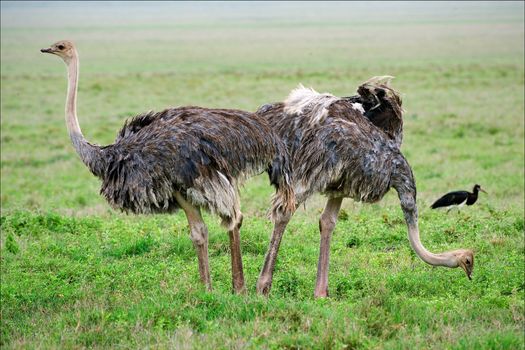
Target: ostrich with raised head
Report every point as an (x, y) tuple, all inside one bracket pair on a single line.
[(187, 157), (347, 147)]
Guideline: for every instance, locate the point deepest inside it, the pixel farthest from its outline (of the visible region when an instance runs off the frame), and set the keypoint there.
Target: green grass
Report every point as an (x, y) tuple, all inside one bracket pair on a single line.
[(76, 274)]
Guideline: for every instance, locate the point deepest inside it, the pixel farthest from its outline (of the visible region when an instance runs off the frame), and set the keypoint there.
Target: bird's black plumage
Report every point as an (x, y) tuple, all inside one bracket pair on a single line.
[(457, 198), (451, 198)]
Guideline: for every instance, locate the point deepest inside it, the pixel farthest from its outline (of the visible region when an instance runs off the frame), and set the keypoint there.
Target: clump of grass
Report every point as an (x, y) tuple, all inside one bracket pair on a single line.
[(11, 245), (138, 247), (353, 241)]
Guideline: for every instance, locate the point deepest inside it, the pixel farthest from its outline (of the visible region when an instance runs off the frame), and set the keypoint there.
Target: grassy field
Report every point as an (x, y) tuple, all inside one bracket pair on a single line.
[(76, 274)]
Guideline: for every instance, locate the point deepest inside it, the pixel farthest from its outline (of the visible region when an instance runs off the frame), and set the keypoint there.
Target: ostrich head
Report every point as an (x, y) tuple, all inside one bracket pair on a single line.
[(464, 258), (64, 49)]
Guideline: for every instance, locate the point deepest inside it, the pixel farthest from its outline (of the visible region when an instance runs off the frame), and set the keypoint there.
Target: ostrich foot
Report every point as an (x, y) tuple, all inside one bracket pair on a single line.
[(264, 284), (321, 293)]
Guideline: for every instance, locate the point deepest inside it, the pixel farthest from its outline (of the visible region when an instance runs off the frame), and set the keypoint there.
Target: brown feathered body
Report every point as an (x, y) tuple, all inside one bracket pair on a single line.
[(188, 158), (343, 147), (204, 154), (347, 147)]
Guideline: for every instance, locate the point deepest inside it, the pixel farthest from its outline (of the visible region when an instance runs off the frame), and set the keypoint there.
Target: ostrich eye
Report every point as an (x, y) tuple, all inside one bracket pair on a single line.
[(61, 47)]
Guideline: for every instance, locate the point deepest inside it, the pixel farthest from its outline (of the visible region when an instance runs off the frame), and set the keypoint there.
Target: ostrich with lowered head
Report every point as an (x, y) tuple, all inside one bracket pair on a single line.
[(187, 157), (347, 147)]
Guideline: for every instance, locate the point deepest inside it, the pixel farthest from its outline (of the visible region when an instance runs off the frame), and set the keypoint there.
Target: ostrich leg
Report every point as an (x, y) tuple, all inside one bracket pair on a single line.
[(265, 278), (326, 227), (199, 237), (235, 249)]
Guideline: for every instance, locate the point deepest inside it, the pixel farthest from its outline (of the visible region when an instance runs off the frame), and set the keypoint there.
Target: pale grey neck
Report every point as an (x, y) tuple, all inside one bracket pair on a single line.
[(90, 154), (442, 259), (403, 182), (71, 101)]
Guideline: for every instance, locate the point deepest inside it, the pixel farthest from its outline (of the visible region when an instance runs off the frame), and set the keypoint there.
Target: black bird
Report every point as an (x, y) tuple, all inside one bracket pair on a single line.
[(458, 198)]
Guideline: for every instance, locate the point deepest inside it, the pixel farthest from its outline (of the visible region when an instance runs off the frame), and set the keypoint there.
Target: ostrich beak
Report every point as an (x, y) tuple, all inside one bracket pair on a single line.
[(48, 50), (468, 270)]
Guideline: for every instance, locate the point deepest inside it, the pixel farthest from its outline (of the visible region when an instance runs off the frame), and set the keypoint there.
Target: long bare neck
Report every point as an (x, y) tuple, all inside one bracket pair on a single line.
[(90, 154), (71, 101), (439, 259), (406, 189)]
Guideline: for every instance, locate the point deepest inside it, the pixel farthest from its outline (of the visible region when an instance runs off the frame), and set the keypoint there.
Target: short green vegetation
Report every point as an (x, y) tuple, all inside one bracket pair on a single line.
[(76, 274)]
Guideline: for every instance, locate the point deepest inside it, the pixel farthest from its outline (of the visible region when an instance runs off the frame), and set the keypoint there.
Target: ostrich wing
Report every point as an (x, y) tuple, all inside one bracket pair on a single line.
[(451, 198), (135, 124), (186, 149)]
